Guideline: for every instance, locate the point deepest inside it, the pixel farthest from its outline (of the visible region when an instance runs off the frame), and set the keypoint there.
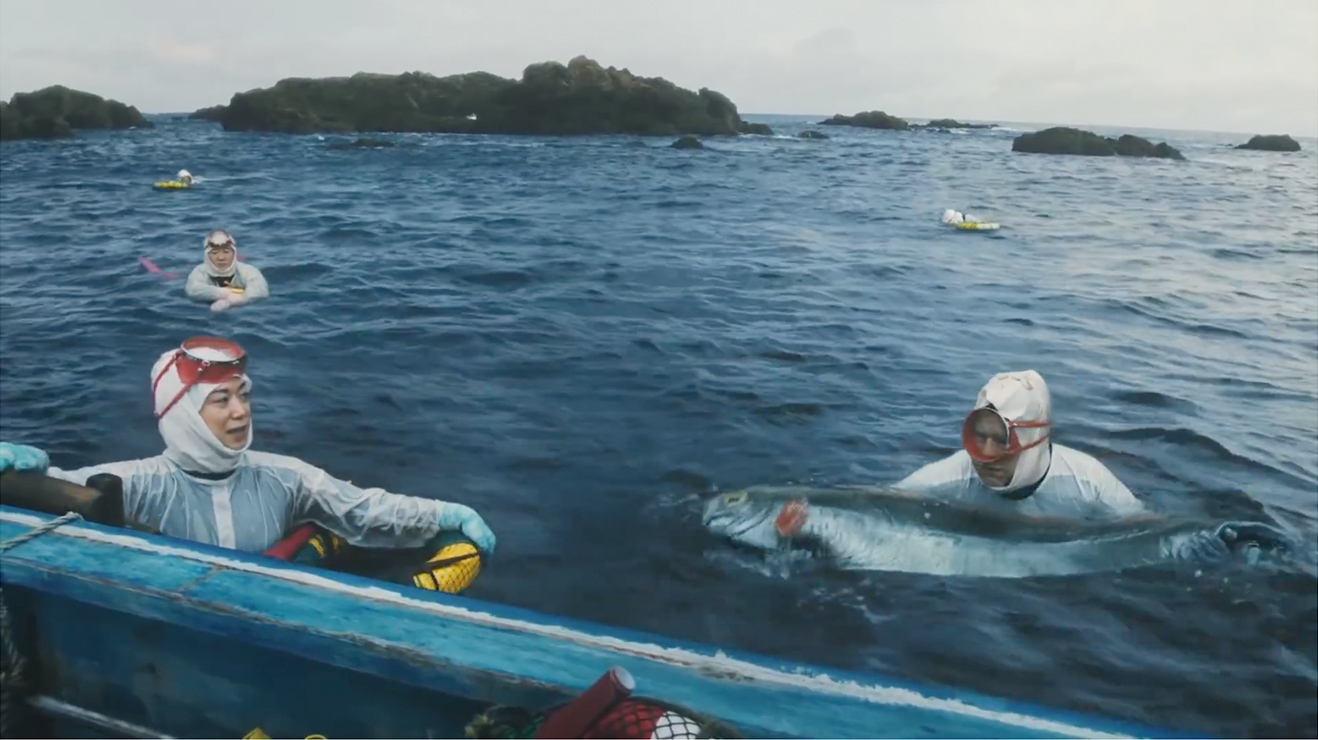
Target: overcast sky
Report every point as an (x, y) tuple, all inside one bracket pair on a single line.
[(1247, 66)]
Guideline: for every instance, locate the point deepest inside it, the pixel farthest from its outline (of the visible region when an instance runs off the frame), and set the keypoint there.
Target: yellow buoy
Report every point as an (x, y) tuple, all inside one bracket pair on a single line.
[(171, 185), (452, 568)]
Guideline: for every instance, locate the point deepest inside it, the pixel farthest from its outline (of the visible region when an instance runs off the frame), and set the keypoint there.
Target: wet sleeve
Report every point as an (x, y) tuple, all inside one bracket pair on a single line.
[(144, 487), (201, 289), (946, 478), (255, 287), (1113, 495), (365, 517)]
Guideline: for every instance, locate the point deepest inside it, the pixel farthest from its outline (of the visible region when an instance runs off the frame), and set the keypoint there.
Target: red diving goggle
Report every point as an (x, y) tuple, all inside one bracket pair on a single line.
[(202, 360), (990, 437)]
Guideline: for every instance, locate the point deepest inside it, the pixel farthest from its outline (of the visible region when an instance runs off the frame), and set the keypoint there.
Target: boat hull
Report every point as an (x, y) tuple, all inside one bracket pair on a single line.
[(188, 640)]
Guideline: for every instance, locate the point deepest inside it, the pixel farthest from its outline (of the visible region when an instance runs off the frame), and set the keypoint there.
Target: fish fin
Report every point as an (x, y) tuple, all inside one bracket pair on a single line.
[(792, 518)]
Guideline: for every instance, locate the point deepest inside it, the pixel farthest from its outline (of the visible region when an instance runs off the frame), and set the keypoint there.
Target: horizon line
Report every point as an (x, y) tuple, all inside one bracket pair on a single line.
[(1000, 122)]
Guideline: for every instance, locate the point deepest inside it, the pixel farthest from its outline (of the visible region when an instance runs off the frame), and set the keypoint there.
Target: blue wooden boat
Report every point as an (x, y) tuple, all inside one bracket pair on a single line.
[(125, 634)]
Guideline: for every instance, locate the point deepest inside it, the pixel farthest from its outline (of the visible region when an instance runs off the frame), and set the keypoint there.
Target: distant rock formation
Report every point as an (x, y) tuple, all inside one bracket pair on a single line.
[(946, 124), (810, 134), (1064, 140), (1282, 143), (57, 112), (551, 99), (688, 142), (867, 119), (212, 113), (759, 129)]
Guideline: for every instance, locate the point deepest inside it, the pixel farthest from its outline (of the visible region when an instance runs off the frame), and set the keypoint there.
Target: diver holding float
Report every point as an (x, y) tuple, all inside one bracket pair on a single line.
[(966, 222), (185, 180), (208, 486), (221, 278)]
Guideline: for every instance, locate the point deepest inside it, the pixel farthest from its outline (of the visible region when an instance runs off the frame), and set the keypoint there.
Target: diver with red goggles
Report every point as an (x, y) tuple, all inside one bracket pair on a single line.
[(209, 487), (1008, 458)]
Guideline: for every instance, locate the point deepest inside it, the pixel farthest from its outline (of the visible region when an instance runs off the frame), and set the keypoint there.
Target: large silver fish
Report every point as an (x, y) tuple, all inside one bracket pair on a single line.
[(871, 529)]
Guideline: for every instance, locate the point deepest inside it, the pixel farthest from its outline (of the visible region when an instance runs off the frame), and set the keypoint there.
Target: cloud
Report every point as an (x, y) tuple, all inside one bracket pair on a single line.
[(169, 50), (1171, 64)]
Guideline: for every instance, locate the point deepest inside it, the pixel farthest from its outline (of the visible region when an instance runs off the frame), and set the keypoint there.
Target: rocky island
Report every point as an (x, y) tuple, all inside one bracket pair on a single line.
[(1064, 140), (1283, 143), (551, 99), (57, 112), (947, 124), (868, 119)]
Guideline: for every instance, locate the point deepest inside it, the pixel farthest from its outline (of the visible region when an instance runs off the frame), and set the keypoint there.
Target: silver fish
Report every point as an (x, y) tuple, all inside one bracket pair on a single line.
[(872, 529)]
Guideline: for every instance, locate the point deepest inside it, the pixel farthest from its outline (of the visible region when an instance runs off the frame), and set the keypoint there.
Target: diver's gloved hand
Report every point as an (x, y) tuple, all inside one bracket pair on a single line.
[(220, 305), (466, 520), (23, 457)]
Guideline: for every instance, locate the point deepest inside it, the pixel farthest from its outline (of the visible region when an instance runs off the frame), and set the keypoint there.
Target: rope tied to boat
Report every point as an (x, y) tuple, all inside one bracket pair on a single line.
[(11, 671)]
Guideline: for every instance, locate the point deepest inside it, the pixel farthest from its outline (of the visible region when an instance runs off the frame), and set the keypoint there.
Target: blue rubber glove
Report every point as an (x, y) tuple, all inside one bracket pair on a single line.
[(466, 520), (22, 457)]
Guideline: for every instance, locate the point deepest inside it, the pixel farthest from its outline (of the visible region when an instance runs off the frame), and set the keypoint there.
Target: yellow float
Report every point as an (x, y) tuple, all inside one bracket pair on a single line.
[(452, 567)]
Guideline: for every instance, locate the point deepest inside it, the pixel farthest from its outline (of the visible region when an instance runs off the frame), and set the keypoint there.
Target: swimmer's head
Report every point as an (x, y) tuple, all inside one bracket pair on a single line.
[(185, 177), (220, 249)]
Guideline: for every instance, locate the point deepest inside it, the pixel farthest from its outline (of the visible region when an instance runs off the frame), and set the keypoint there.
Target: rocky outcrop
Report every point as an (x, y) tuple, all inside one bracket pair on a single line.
[(57, 112), (212, 113), (759, 129), (809, 134), (867, 119), (946, 124), (688, 142), (553, 99), (1065, 140), (1282, 143)]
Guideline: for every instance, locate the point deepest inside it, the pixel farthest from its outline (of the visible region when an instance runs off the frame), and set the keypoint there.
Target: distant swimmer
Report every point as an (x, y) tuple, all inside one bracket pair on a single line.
[(222, 279), (183, 182), (951, 217), (966, 222)]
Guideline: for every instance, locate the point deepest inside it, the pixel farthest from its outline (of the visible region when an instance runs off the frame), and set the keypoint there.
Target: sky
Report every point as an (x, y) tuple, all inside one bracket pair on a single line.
[(1247, 66)]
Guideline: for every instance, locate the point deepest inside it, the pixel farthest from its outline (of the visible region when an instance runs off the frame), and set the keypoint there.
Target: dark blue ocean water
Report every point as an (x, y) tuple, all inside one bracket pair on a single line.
[(579, 337)]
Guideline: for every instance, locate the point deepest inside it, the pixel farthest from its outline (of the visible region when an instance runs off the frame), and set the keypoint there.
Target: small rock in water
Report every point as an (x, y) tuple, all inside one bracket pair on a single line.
[(1283, 143), (688, 142)]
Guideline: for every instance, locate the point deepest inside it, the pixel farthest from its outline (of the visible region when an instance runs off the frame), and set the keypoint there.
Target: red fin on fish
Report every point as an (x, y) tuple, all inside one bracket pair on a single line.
[(792, 518)]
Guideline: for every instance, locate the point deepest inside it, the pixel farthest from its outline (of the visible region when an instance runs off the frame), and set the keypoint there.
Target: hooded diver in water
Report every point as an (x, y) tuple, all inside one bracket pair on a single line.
[(1009, 461), (221, 278)]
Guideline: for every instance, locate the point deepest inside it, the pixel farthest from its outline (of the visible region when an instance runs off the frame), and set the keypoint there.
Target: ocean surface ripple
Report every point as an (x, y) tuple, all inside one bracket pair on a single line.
[(580, 337)]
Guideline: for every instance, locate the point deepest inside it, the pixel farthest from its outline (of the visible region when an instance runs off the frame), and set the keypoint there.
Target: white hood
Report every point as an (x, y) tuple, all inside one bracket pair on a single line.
[(188, 441), (211, 269), (1022, 396)]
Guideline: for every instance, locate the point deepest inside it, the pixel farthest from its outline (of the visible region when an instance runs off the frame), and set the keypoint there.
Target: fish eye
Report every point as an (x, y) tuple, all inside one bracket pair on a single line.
[(735, 497)]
